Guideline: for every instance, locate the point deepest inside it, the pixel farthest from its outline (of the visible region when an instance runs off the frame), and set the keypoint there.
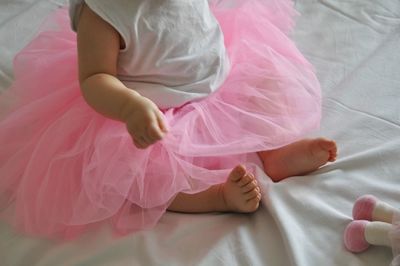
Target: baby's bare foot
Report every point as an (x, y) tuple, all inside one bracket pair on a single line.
[(298, 158), (240, 193)]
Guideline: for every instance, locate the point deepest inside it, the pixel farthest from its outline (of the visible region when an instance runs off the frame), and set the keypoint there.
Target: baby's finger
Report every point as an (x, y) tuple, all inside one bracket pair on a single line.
[(139, 145), (162, 122), (140, 142), (154, 132)]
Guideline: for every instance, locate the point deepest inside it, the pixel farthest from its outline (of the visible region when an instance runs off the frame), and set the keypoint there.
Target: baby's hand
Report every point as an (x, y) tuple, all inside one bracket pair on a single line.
[(145, 122)]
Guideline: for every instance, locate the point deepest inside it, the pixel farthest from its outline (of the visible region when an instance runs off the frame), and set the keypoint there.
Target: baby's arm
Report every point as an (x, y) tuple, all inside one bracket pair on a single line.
[(98, 48)]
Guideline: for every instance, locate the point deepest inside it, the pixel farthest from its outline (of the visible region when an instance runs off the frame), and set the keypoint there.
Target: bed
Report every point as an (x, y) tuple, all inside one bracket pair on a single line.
[(353, 45)]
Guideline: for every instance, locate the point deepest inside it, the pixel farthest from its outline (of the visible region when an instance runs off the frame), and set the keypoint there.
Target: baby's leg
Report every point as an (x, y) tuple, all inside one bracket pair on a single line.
[(240, 193), (298, 158)]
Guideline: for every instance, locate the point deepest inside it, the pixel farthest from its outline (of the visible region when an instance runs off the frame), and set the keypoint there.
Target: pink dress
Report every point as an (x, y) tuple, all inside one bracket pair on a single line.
[(64, 168)]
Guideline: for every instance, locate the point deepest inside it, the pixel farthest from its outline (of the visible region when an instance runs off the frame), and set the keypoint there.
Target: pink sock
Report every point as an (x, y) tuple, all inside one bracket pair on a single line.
[(364, 207), (354, 236)]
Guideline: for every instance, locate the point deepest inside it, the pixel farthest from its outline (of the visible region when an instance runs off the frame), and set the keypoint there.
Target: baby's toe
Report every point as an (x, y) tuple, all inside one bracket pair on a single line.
[(250, 186), (237, 173), (253, 204), (333, 154), (251, 194), (245, 180)]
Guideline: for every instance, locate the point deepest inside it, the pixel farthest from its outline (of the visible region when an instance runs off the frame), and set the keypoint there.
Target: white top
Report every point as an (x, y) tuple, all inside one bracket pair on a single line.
[(174, 50)]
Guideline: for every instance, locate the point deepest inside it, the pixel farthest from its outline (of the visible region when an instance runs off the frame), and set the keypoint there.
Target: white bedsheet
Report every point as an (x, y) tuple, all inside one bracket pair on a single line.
[(354, 46)]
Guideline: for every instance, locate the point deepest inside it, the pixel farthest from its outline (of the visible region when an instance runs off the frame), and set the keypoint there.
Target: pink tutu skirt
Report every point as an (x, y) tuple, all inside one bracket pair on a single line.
[(65, 169)]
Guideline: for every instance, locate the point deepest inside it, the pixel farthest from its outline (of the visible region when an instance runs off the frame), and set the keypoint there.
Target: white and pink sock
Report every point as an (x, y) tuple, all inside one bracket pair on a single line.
[(371, 226)]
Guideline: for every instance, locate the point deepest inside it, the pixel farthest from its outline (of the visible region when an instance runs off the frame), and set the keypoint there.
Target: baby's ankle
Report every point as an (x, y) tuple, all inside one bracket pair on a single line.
[(219, 199)]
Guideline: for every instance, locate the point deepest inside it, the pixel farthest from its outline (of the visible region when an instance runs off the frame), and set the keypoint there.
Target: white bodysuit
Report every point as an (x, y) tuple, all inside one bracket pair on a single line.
[(174, 49)]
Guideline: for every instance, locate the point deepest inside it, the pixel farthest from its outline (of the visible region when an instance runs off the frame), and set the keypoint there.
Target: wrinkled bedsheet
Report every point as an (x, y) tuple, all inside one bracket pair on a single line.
[(354, 46)]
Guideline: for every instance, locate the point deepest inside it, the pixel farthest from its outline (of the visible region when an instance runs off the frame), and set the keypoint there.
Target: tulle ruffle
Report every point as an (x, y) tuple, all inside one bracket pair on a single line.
[(64, 168)]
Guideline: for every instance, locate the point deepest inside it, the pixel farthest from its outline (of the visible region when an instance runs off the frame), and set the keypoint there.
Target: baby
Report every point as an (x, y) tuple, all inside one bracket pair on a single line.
[(100, 45), (196, 85)]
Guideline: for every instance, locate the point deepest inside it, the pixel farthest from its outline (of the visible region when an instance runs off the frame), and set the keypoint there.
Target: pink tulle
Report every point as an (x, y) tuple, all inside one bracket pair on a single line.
[(64, 168)]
